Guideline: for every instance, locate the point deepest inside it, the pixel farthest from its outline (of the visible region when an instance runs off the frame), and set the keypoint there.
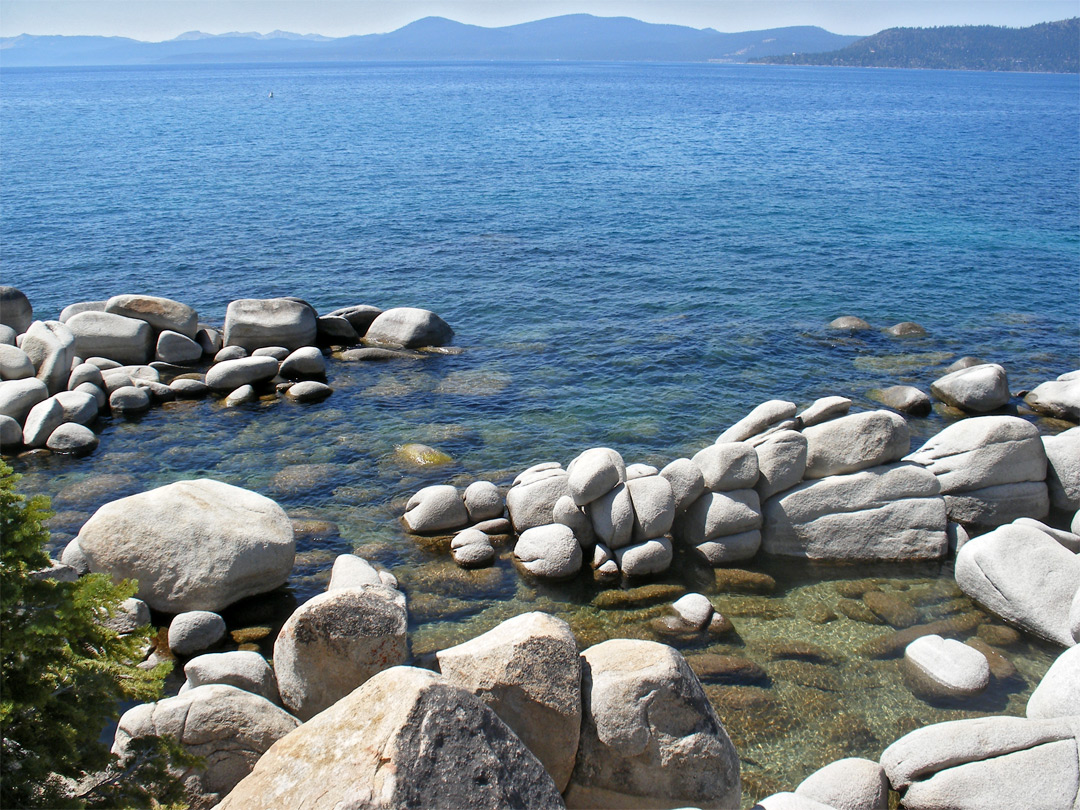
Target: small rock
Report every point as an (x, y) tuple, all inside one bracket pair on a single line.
[(435, 509), (14, 364), (472, 549), (421, 455), (350, 571), (231, 374), (941, 667), (1057, 398), (304, 362), (695, 609), (190, 389), (243, 394), (824, 409), (848, 784), (892, 608), (849, 323), (85, 373), (906, 329), (227, 353), (593, 474), (976, 389), (549, 552), (309, 391), (43, 419), (72, 439), (687, 482), (728, 466), (172, 347), (129, 400), (651, 557), (244, 670), (195, 631), (905, 398)]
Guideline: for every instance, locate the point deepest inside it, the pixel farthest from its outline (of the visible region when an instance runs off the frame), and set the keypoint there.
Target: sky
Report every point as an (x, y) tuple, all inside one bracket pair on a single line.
[(155, 20)]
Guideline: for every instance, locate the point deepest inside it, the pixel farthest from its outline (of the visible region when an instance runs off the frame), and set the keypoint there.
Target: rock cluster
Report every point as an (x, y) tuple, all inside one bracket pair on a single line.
[(124, 355)]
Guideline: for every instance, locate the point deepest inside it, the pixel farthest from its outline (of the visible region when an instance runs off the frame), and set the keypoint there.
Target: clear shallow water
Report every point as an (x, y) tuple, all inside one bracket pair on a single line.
[(631, 255)]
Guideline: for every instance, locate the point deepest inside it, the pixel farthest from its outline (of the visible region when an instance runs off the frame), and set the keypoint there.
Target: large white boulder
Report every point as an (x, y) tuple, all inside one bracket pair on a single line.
[(433, 509), (1057, 398), (762, 418), (253, 323), (160, 313), (232, 374), (177, 349), (244, 669), (687, 482), (192, 545), (781, 462), (848, 784), (14, 364), (1058, 693), (410, 328), (1063, 469), (987, 763), (532, 498), (18, 397), (406, 738), (855, 442), (1024, 576), (549, 552), (727, 466), (976, 389), (645, 558), (892, 512), (654, 507), (649, 737), (335, 641), (50, 345), (528, 670), (594, 473), (612, 517), (43, 419), (225, 726), (103, 334), (940, 667)]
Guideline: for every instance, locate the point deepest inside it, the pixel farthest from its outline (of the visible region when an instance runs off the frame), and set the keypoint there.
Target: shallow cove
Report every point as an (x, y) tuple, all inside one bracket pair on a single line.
[(630, 255)]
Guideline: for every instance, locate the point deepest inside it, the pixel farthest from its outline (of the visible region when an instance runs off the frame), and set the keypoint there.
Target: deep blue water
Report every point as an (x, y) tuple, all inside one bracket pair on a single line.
[(630, 255)]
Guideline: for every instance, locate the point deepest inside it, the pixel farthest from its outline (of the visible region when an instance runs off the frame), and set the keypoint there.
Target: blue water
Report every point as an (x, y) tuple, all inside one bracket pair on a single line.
[(630, 255)]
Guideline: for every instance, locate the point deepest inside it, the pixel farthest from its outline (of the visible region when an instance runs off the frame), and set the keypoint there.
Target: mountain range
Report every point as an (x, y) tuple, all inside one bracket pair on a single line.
[(575, 37)]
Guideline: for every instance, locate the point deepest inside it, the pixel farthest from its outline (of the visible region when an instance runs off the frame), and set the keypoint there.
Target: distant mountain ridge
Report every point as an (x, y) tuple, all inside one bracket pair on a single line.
[(574, 37), (1052, 47)]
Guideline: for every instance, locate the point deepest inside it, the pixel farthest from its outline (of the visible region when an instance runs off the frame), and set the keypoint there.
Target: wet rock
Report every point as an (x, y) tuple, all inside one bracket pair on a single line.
[(823, 410), (894, 609), (157, 391), (999, 635), (549, 552), (799, 651), (1024, 576), (72, 439), (308, 391), (643, 559), (409, 328), (892, 644), (1058, 693), (855, 442), (244, 670), (95, 489), (636, 598), (892, 512), (419, 742), (189, 389), (1001, 668), (483, 501), (336, 641), (1057, 398), (757, 421), (849, 323), (532, 498), (781, 463), (687, 482), (819, 613), (649, 735), (472, 549), (376, 354), (50, 345), (694, 609), (938, 667), (528, 671), (848, 784), (195, 631), (435, 509), (254, 323), (192, 545), (242, 395), (906, 329), (15, 309), (727, 669), (803, 673), (228, 728), (1063, 469), (858, 612), (904, 398), (333, 330)]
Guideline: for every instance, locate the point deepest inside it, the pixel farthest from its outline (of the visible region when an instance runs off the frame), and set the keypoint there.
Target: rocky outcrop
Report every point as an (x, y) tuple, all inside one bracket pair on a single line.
[(528, 671), (650, 737), (406, 738), (192, 545)]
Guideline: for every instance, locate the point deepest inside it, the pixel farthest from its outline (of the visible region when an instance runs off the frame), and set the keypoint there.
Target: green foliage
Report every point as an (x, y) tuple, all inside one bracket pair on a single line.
[(1048, 47), (62, 674)]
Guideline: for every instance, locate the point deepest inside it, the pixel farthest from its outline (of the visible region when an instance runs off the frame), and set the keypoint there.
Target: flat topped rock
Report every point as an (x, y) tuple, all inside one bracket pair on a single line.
[(947, 668), (253, 323), (1057, 398), (160, 313)]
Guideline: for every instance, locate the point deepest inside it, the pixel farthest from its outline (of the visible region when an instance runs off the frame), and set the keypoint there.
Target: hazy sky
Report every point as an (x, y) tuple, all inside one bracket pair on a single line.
[(164, 19)]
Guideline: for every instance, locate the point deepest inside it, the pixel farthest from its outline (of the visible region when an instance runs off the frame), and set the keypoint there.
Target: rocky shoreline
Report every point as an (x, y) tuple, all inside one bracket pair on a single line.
[(519, 716)]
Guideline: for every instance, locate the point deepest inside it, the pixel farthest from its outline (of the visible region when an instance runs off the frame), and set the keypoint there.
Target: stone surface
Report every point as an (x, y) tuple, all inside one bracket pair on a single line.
[(15, 309), (350, 571), (976, 389), (195, 631), (334, 330), (1063, 469), (50, 345), (483, 501), (43, 419), (1057, 398), (115, 337), (172, 347), (687, 482), (940, 667), (306, 361), (986, 763), (10, 432), (231, 374), (14, 364), (435, 509), (781, 463), (593, 474), (892, 512), (209, 339), (192, 545), (530, 502), (848, 784), (549, 552), (612, 517), (252, 323), (73, 439), (649, 737), (309, 391), (906, 329), (998, 505), (528, 670), (243, 394), (790, 801), (129, 399), (334, 642), (160, 313), (640, 471), (245, 670), (654, 507), (1058, 693), (855, 442), (849, 323), (1067, 539), (132, 613), (80, 407), (410, 328), (645, 559), (8, 336), (757, 421), (694, 609), (718, 514), (225, 726), (406, 738), (905, 398), (85, 373), (566, 512), (18, 397), (189, 389), (727, 466), (1024, 576), (230, 353), (99, 395), (360, 316), (71, 310), (823, 410), (731, 548), (472, 549)]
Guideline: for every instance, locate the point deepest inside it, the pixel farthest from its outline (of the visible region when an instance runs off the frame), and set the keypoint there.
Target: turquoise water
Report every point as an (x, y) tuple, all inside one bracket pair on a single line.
[(630, 255)]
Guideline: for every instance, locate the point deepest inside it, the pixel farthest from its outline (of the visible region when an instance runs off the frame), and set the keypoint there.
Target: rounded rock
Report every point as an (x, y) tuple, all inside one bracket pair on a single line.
[(195, 631), (945, 667), (172, 347), (549, 552), (594, 474), (472, 549), (976, 389), (306, 361), (483, 501), (14, 364), (10, 432), (309, 391), (189, 389), (242, 395), (231, 374), (129, 399), (435, 509), (410, 328), (15, 309), (72, 439)]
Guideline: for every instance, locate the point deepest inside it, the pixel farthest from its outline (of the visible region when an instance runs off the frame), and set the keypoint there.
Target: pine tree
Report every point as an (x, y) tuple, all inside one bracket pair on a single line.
[(62, 675)]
